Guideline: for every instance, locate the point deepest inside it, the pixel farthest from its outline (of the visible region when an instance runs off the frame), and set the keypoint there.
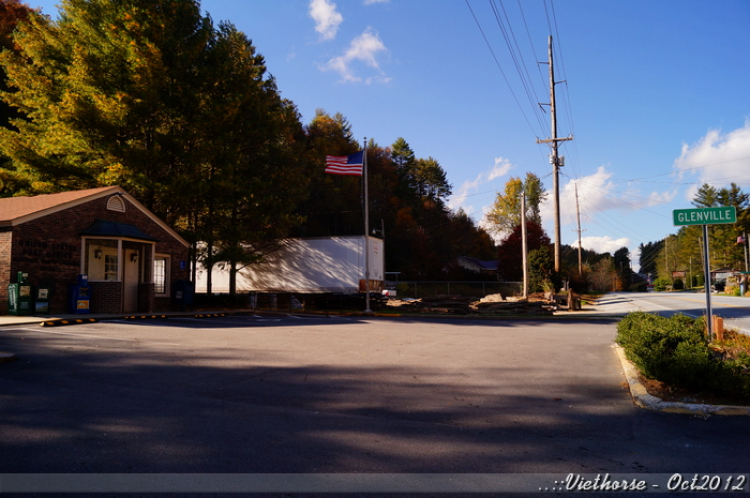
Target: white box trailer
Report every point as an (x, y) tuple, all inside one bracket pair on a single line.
[(315, 265)]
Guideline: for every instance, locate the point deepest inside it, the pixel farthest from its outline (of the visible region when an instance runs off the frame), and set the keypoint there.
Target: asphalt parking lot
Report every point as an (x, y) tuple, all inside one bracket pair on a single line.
[(252, 394)]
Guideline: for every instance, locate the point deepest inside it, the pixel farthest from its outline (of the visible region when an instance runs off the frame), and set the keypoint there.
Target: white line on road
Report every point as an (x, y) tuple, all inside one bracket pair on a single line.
[(54, 332)]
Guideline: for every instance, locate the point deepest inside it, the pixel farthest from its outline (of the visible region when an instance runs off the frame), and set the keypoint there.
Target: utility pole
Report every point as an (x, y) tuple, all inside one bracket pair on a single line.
[(578, 217), (524, 249), (556, 160)]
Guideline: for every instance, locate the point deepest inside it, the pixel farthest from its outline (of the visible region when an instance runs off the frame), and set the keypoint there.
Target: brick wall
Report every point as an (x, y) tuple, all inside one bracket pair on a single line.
[(5, 278), (49, 249), (146, 298), (106, 297)]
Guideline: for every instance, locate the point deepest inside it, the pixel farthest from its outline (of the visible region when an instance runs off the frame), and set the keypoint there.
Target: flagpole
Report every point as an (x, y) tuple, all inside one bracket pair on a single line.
[(367, 227)]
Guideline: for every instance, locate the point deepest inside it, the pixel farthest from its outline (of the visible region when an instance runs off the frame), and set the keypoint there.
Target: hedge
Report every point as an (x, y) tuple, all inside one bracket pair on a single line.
[(676, 351)]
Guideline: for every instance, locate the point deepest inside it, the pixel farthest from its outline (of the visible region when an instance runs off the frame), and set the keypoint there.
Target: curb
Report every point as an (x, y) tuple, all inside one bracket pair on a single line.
[(74, 321), (643, 399)]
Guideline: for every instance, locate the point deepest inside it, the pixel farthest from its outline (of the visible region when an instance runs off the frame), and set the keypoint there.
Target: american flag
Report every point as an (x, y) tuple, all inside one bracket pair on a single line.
[(345, 165)]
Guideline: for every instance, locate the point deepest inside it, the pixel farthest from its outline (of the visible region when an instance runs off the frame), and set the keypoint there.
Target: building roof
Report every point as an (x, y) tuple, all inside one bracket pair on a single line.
[(18, 210), (15, 208)]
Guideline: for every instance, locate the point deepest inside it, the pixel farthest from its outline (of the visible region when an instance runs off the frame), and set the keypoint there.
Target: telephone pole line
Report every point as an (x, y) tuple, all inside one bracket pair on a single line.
[(578, 217), (556, 160)]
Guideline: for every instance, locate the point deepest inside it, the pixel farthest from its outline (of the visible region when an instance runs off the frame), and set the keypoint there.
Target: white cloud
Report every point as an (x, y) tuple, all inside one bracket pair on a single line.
[(459, 200), (501, 168), (371, 2), (717, 159), (603, 244), (326, 17), (600, 192), (364, 48)]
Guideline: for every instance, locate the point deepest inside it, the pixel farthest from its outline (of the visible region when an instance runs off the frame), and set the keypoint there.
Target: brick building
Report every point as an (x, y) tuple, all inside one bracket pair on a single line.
[(131, 257)]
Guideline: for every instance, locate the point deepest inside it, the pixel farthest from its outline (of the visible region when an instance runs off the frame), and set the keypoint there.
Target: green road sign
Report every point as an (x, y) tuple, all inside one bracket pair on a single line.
[(705, 216)]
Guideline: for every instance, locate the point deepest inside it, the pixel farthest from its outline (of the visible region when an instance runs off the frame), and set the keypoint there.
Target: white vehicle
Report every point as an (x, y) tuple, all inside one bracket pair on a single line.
[(315, 265)]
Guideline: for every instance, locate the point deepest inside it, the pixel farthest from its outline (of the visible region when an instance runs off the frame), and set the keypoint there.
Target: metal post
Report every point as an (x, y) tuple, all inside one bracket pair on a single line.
[(367, 228), (707, 283)]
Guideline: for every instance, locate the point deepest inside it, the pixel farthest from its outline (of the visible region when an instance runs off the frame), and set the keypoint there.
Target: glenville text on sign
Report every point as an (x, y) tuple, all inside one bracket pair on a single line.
[(705, 216)]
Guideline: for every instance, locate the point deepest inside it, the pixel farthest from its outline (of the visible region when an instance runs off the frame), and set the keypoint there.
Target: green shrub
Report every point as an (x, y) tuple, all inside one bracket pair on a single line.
[(699, 281), (660, 284), (676, 351)]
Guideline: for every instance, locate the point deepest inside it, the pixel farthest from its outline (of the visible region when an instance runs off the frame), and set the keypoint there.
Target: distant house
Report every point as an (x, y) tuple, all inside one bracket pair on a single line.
[(722, 274), (131, 257)]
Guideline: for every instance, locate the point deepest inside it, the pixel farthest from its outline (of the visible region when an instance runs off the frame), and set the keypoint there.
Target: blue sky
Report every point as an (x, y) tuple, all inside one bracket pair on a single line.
[(655, 94)]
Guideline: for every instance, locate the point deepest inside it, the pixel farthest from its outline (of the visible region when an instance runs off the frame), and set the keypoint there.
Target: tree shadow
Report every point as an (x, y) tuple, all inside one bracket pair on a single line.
[(80, 407)]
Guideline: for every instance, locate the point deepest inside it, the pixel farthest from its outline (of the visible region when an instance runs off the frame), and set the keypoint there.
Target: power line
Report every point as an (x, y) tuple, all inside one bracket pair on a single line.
[(515, 55), (500, 67)]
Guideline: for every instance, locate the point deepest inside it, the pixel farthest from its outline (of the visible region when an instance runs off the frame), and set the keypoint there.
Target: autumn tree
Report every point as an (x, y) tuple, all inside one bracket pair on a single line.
[(333, 204), (113, 92), (12, 12), (150, 95), (506, 211)]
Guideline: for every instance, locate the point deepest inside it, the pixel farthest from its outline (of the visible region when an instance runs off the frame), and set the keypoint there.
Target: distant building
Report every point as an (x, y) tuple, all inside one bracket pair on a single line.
[(722, 274)]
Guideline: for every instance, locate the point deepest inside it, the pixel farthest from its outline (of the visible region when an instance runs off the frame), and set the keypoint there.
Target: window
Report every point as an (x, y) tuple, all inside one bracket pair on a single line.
[(161, 275), (101, 261), (110, 267)]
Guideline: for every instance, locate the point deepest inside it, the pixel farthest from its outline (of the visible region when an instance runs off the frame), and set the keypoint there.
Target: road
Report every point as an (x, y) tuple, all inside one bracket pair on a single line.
[(734, 310), (339, 395)]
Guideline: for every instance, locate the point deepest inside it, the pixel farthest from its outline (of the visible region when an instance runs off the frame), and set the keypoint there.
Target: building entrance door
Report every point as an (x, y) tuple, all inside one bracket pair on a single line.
[(130, 281)]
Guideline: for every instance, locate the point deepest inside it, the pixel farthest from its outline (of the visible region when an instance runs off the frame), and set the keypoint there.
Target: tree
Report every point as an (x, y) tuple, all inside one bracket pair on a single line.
[(150, 95), (402, 156), (430, 180), (707, 196), (333, 204), (258, 141), (506, 211), (112, 91), (510, 250), (602, 275), (542, 276), (12, 12), (621, 261)]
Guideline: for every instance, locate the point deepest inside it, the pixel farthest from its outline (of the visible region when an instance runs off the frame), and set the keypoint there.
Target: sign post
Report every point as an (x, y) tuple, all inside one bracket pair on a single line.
[(705, 217)]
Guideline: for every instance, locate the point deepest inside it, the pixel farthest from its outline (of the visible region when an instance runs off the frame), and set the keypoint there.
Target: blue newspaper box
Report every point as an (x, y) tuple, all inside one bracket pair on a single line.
[(80, 296)]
